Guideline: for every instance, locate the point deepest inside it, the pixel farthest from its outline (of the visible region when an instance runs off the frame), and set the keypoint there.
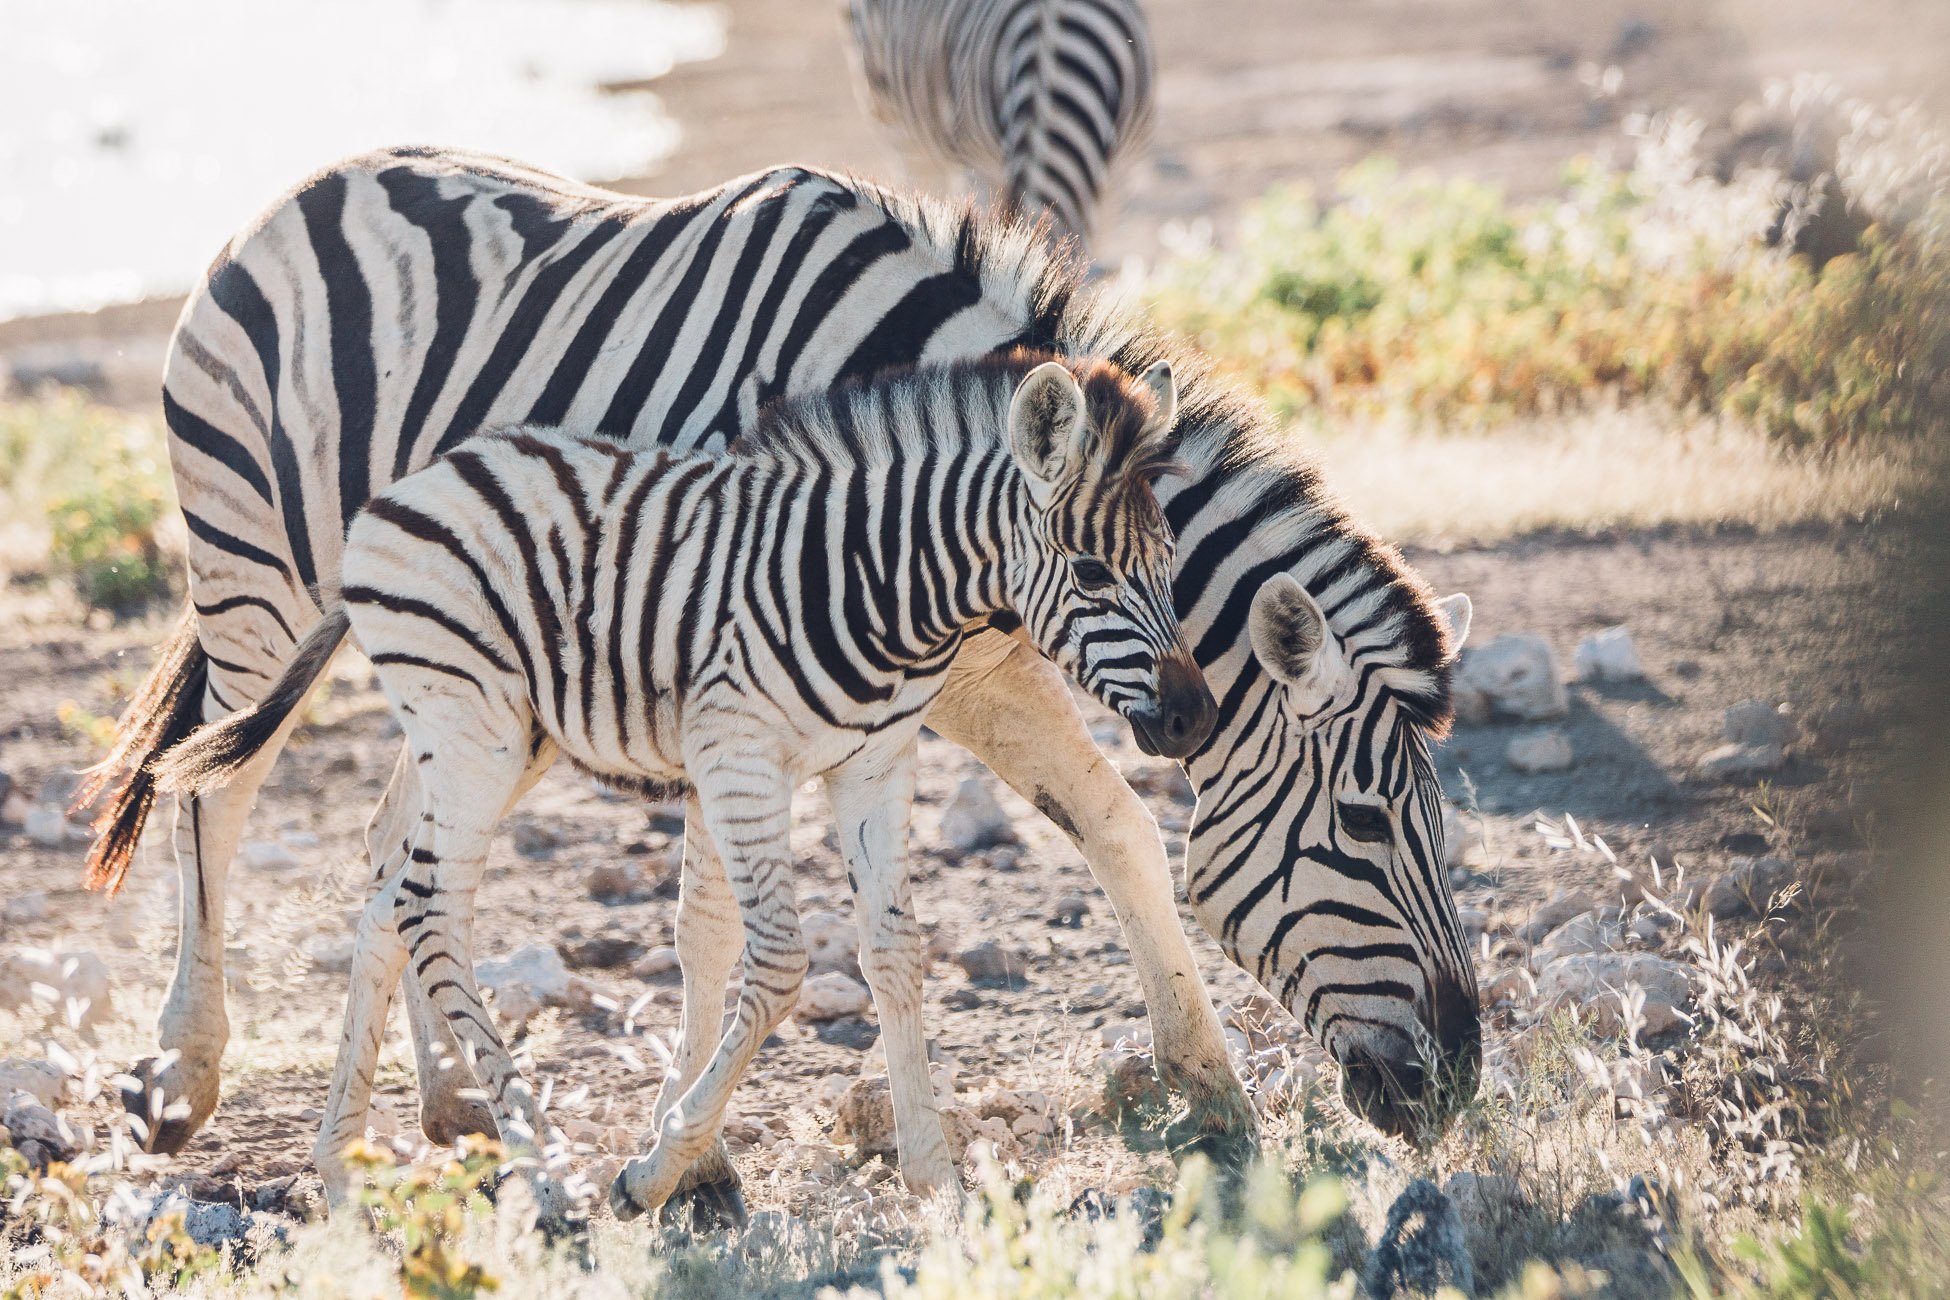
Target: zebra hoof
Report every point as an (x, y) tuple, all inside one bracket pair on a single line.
[(151, 1101), (706, 1208), (623, 1205), (455, 1118)]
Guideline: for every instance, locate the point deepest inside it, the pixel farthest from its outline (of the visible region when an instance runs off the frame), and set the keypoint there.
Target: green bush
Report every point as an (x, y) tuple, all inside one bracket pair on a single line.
[(1443, 300), (100, 481)]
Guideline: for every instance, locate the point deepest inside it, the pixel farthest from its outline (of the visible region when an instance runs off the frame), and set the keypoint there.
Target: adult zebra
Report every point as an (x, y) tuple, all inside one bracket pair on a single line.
[(395, 302), (1038, 97)]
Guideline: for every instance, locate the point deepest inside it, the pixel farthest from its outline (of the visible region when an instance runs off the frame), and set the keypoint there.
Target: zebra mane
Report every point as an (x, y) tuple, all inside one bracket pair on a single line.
[(1380, 607)]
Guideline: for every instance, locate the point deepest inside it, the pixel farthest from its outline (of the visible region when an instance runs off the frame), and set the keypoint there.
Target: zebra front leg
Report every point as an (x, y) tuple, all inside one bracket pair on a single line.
[(709, 940), (872, 796), (1013, 710), (747, 808)]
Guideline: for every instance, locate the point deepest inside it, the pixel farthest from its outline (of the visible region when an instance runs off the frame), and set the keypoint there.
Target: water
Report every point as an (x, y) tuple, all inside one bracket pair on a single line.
[(136, 135)]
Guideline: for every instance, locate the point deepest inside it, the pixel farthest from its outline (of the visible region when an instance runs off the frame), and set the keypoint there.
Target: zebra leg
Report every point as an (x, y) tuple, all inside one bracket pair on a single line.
[(173, 1097), (872, 796), (748, 812), (378, 957), (709, 939), (1013, 710)]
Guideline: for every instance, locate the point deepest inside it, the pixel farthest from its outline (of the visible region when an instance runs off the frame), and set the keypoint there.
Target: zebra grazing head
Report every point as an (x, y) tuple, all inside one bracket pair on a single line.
[(1095, 594), (1316, 855)]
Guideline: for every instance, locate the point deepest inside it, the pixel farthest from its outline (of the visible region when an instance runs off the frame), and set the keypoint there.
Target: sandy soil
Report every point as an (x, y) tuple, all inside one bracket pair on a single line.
[(1718, 619)]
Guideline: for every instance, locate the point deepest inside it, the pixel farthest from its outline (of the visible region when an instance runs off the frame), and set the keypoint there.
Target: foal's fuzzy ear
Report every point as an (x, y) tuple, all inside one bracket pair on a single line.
[(1046, 425), (1454, 612), (1159, 382)]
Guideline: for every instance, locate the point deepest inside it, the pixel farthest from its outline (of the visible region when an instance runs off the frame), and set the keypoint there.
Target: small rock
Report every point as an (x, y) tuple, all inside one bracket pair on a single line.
[(535, 840), (851, 1032), (1652, 926), (531, 977), (1471, 704), (1513, 984), (832, 996), (76, 984), (1539, 751), (1747, 888), (614, 882), (1736, 762), (1561, 906), (1608, 656), (46, 824), (267, 855), (1422, 1247), (44, 1081), (1131, 1084), (1475, 922), (991, 965), (962, 999), (973, 820), (1594, 982), (28, 1120), (1580, 934), (331, 952), (1070, 911), (1759, 723), (1518, 675), (864, 1118), (25, 908), (208, 1223), (832, 943), (603, 951), (658, 964)]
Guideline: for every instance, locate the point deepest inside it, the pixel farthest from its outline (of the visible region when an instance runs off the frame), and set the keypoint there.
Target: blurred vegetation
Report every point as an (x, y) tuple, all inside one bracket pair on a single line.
[(100, 481), (1444, 301)]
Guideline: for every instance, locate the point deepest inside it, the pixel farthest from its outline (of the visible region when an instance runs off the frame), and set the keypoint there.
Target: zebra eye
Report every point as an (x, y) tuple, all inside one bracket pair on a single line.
[(1365, 822), (1092, 575)]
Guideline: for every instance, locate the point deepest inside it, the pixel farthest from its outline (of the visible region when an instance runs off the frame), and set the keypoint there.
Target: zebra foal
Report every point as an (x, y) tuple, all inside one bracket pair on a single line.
[(737, 624), (1038, 97)]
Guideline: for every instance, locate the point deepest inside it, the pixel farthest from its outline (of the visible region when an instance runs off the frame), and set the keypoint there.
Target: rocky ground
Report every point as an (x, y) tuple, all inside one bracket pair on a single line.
[(1730, 732)]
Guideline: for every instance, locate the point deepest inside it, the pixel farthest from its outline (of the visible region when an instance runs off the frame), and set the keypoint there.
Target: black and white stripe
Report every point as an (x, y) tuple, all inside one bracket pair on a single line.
[(1040, 98), (398, 301)]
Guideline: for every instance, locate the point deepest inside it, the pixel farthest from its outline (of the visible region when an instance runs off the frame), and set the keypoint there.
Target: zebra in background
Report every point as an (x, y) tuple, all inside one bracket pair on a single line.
[(1039, 98), (738, 624), (396, 302)]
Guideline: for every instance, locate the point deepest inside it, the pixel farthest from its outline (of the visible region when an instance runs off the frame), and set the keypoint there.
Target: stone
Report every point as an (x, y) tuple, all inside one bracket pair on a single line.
[(973, 820), (614, 882), (864, 1118), (1422, 1247), (25, 908), (1131, 1084), (1580, 934), (1471, 704), (1652, 926), (1608, 656), (1518, 675), (27, 1119), (991, 965), (46, 824), (1747, 888), (534, 840), (76, 985), (44, 1081), (207, 1223), (1512, 984), (1736, 762), (658, 964), (603, 951), (1475, 922), (832, 943), (531, 977), (832, 996), (267, 855), (1069, 912), (1594, 983), (1759, 722), (1539, 751), (331, 952), (1561, 906)]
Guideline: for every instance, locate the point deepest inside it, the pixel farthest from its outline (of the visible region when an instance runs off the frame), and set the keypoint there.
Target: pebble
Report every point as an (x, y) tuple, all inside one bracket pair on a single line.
[(991, 965), (657, 964), (1594, 982), (614, 882), (25, 908), (27, 1119), (603, 951), (1737, 762), (43, 1080), (1517, 675), (1422, 1247), (1539, 751), (331, 952), (1759, 722), (1561, 906), (529, 978), (832, 996), (1608, 656), (1581, 934), (973, 820), (832, 942), (1069, 912), (79, 980), (535, 840), (1747, 887)]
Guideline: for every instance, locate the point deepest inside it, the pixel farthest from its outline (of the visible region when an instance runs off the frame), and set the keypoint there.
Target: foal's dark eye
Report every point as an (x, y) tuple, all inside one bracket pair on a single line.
[(1093, 575), (1365, 822)]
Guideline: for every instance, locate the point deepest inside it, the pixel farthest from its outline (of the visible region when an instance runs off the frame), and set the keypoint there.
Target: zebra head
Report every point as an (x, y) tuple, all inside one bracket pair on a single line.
[(1316, 853), (1093, 588)]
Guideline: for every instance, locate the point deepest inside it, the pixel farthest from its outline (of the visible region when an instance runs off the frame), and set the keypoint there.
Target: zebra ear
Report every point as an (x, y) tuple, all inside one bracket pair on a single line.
[(1045, 424), (1164, 393), (1455, 611), (1291, 638)]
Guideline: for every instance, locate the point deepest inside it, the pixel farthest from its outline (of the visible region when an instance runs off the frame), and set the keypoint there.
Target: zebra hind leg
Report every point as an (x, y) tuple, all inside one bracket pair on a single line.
[(708, 1197)]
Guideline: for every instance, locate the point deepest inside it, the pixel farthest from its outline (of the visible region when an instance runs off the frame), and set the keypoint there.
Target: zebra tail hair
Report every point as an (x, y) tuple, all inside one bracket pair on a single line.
[(165, 709), (214, 756)]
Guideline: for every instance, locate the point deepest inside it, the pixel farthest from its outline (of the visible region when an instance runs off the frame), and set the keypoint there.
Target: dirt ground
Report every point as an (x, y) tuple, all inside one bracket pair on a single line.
[(1718, 619)]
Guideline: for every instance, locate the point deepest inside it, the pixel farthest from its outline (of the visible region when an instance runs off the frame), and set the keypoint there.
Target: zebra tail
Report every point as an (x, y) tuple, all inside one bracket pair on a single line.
[(214, 756), (165, 709)]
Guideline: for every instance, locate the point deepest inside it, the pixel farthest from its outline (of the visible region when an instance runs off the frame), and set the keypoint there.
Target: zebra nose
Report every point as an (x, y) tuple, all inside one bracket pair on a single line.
[(1184, 715)]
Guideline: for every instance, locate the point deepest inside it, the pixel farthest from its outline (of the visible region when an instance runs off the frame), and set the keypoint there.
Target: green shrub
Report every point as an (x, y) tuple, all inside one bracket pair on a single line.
[(1443, 300), (100, 481)]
